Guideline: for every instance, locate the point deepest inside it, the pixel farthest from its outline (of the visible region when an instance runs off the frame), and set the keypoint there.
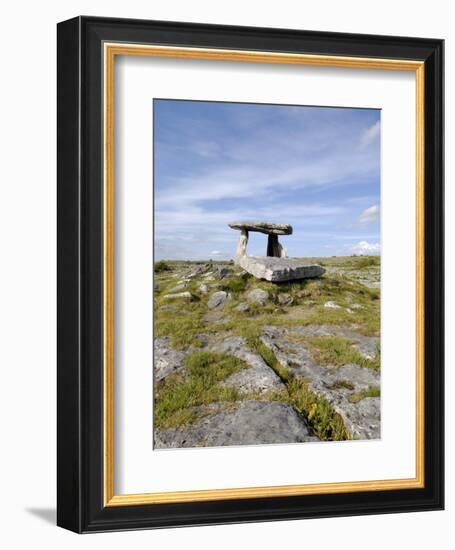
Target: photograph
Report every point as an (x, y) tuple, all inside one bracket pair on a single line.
[(267, 273)]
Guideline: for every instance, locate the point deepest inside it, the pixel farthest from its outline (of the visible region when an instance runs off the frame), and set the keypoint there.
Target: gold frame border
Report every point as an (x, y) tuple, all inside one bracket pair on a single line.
[(109, 52)]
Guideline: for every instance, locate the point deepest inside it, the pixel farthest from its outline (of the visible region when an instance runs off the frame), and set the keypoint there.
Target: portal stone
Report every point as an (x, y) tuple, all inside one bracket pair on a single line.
[(274, 266)]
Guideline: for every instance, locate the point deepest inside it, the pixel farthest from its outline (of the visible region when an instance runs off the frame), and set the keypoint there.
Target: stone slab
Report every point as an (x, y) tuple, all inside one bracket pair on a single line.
[(263, 227), (278, 270)]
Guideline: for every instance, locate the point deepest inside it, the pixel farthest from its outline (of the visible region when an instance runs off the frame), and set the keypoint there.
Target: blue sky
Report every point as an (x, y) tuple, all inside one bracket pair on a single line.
[(316, 168)]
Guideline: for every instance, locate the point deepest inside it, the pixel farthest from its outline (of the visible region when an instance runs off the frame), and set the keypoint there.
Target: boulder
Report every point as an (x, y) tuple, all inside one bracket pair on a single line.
[(285, 299), (198, 271), (243, 307), (218, 299), (258, 296), (223, 272), (167, 360)]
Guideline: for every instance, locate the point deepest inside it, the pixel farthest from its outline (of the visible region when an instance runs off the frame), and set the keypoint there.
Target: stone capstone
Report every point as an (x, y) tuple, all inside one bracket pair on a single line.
[(263, 227)]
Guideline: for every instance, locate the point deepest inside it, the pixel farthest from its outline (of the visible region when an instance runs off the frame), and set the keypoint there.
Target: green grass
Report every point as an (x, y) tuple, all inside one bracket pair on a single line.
[(270, 359), (320, 415), (370, 392), (182, 329), (335, 351), (341, 385), (234, 284), (175, 398), (364, 322), (368, 261)]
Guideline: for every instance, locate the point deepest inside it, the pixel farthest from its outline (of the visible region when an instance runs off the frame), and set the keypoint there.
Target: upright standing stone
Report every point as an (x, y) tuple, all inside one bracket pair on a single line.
[(242, 243), (274, 248)]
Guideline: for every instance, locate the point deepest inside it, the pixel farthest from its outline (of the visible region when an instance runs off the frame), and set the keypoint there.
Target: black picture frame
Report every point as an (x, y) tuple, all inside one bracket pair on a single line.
[(80, 473)]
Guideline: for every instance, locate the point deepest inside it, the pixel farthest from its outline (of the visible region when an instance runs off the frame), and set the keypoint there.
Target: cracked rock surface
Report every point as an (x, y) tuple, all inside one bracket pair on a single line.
[(243, 423), (245, 361)]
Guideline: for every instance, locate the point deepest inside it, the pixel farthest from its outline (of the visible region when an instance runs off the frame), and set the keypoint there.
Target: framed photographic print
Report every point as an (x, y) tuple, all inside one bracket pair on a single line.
[(250, 274)]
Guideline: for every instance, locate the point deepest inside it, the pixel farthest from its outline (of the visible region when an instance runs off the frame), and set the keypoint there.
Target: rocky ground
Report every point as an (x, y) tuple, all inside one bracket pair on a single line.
[(242, 361)]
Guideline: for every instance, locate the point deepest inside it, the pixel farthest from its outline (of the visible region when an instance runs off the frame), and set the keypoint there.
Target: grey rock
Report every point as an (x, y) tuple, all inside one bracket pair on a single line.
[(177, 288), (263, 227), (243, 307), (368, 347), (241, 423), (179, 296), (198, 271), (294, 357), (331, 305), (218, 299), (259, 377), (278, 269), (167, 360), (203, 288), (336, 384), (224, 272), (285, 299), (258, 296)]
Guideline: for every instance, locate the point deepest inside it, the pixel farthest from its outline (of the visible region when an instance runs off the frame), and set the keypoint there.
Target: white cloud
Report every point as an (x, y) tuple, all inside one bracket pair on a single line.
[(264, 164), (370, 134), (370, 215), (364, 248)]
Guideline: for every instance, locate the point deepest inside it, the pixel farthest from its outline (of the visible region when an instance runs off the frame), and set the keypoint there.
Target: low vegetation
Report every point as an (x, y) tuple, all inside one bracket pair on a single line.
[(161, 266), (324, 421), (370, 392), (336, 351), (350, 287), (176, 398)]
